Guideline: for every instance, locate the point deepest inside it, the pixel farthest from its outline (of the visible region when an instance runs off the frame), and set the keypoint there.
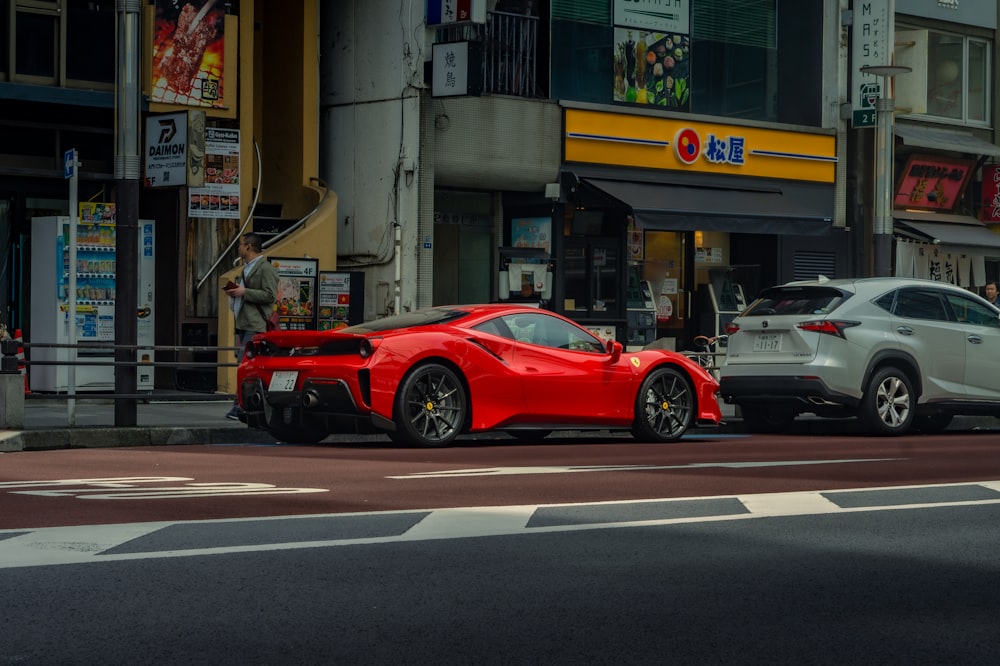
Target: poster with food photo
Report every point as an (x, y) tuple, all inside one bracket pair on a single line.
[(220, 197), (652, 68), (188, 53)]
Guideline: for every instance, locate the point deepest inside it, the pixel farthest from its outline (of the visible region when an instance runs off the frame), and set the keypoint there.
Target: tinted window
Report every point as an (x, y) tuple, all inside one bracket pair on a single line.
[(409, 320), (919, 304), (539, 329), (972, 311), (796, 301)]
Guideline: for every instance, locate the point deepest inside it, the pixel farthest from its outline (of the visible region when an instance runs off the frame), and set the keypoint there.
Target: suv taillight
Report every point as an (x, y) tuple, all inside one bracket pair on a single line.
[(828, 326), (732, 327)]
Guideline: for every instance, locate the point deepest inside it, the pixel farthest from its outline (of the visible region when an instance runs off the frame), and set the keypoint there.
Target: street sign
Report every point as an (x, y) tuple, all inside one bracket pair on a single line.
[(871, 44), (69, 163)]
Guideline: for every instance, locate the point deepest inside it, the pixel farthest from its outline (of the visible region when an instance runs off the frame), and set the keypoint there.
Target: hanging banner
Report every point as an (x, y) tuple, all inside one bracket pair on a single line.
[(220, 197), (991, 193), (188, 53)]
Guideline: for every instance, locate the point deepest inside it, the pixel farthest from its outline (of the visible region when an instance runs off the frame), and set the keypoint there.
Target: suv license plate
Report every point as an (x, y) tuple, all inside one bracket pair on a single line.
[(767, 342), (283, 380)]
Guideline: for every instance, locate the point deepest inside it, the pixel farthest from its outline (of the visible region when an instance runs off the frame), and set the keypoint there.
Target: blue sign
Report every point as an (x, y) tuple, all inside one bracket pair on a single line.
[(69, 163)]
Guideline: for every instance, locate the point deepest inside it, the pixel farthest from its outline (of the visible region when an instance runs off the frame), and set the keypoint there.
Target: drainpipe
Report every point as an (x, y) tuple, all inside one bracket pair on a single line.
[(127, 209)]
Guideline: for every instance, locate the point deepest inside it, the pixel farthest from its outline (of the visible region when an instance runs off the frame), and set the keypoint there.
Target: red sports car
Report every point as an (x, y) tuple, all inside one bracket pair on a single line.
[(425, 377)]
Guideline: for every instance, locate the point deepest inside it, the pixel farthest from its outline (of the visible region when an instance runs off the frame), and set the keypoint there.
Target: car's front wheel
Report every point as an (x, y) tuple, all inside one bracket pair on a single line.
[(887, 407), (431, 406), (664, 407)]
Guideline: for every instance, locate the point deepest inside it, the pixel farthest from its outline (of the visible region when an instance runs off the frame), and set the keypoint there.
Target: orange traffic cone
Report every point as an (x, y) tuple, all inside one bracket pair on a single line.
[(21, 365)]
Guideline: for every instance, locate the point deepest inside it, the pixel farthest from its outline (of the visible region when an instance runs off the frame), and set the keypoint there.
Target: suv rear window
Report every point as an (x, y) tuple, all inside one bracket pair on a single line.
[(791, 300)]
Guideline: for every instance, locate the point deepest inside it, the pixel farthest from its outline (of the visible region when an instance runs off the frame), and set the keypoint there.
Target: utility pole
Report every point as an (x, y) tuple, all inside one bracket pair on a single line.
[(127, 209)]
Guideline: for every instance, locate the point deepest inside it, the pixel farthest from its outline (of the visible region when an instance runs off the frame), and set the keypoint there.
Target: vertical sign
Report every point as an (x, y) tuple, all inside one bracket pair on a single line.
[(871, 44), (188, 53), (991, 193), (220, 197)]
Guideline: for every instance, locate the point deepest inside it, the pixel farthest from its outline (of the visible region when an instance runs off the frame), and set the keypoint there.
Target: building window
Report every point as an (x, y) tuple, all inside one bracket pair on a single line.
[(58, 42), (952, 75)]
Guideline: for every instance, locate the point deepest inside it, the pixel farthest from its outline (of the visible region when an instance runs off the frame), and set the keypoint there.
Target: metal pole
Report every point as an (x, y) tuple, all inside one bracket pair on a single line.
[(127, 209), (883, 181), (73, 165)]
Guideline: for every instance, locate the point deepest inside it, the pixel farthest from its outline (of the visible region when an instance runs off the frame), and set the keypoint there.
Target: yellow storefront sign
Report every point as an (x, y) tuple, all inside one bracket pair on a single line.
[(619, 139)]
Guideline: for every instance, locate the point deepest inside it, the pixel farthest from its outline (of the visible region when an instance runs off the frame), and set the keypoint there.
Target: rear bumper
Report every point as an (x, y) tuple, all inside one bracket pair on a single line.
[(326, 405), (801, 393)]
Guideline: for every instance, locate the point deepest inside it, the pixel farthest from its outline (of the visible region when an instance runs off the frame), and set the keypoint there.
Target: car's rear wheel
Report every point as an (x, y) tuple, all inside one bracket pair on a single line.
[(664, 407), (887, 407), (431, 406), (766, 419)]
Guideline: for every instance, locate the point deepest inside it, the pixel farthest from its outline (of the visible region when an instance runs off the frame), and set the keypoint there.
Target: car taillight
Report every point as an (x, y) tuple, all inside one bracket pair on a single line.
[(732, 327), (368, 346), (828, 326)]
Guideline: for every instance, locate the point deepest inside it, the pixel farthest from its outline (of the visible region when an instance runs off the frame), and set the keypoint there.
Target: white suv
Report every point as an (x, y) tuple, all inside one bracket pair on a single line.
[(897, 353)]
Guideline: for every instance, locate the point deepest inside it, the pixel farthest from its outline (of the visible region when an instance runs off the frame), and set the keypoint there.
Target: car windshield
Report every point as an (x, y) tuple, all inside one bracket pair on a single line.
[(796, 300), (409, 320)]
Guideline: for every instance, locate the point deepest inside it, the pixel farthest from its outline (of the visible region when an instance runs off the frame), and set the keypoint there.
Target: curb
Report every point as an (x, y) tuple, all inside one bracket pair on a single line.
[(104, 438)]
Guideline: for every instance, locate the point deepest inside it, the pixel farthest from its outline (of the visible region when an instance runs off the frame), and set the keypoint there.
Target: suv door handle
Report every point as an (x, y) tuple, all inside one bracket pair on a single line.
[(975, 339), (904, 330)]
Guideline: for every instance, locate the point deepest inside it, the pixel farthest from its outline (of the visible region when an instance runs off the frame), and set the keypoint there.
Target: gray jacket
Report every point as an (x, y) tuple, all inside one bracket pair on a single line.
[(261, 289)]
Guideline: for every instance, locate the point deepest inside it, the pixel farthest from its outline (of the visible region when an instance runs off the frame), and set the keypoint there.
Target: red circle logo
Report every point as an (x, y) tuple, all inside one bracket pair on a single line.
[(687, 145)]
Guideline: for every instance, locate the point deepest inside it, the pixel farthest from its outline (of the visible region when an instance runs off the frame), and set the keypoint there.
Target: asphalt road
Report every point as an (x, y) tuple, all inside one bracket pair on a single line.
[(719, 549), (914, 586)]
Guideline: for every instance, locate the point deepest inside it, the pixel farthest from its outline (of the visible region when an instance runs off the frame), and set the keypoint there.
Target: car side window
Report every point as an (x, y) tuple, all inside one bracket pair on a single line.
[(920, 304), (540, 329), (972, 312), (496, 326)]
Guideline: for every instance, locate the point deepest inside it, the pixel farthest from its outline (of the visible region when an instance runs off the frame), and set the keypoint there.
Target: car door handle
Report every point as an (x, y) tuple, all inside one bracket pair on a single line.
[(975, 339), (904, 330)]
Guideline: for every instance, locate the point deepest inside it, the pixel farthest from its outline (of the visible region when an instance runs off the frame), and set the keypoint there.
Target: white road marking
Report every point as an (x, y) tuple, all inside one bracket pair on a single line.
[(573, 469), (85, 543)]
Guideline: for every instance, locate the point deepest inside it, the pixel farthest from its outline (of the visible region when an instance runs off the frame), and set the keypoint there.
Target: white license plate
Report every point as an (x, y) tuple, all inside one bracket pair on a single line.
[(767, 342), (283, 380)]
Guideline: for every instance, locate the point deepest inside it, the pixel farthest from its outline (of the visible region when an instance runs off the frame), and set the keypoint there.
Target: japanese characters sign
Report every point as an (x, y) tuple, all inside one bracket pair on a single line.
[(932, 183), (991, 193), (871, 44)]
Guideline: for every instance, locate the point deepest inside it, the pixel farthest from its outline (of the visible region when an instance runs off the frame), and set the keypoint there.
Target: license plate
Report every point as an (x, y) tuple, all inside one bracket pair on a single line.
[(283, 380), (767, 342)]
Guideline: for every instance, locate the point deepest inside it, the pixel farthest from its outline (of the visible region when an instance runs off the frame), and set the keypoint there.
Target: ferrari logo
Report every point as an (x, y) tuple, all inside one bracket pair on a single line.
[(635, 361)]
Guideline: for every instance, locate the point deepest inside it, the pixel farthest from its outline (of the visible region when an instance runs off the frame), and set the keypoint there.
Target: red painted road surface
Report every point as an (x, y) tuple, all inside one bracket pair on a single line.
[(103, 486)]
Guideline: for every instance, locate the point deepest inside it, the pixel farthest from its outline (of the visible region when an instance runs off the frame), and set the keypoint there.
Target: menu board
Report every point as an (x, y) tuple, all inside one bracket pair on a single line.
[(296, 293), (335, 302)]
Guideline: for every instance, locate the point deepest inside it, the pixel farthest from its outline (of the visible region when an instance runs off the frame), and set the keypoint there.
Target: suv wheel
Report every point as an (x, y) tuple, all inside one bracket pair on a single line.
[(887, 407), (766, 420)]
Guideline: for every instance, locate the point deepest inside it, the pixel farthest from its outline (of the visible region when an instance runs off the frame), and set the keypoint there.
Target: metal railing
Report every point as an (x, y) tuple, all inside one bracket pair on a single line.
[(510, 52), (103, 354)]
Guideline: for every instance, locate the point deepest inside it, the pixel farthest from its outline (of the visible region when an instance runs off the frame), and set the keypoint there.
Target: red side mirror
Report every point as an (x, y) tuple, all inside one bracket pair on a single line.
[(615, 349)]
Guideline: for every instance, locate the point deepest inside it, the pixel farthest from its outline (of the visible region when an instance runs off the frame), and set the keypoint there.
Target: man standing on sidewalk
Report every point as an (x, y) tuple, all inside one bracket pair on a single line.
[(252, 299)]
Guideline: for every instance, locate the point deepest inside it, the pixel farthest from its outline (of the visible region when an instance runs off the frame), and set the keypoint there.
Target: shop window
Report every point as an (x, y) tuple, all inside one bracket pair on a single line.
[(593, 286)]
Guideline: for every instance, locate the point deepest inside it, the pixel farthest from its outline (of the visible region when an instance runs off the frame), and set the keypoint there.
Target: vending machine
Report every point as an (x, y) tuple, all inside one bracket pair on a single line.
[(341, 299), (96, 289)]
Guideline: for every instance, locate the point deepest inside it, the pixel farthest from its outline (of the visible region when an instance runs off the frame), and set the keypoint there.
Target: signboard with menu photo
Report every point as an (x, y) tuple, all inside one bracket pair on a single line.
[(296, 297), (220, 197)]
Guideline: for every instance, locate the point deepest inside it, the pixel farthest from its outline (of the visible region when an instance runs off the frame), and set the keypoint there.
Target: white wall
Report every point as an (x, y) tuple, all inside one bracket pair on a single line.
[(371, 73)]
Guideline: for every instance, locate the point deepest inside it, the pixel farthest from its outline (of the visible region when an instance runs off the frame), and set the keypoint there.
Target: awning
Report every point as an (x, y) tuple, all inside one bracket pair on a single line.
[(945, 139), (956, 233), (779, 208)]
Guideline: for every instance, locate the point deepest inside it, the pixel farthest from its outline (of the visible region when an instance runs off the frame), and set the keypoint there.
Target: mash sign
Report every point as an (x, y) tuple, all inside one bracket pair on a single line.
[(166, 150)]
